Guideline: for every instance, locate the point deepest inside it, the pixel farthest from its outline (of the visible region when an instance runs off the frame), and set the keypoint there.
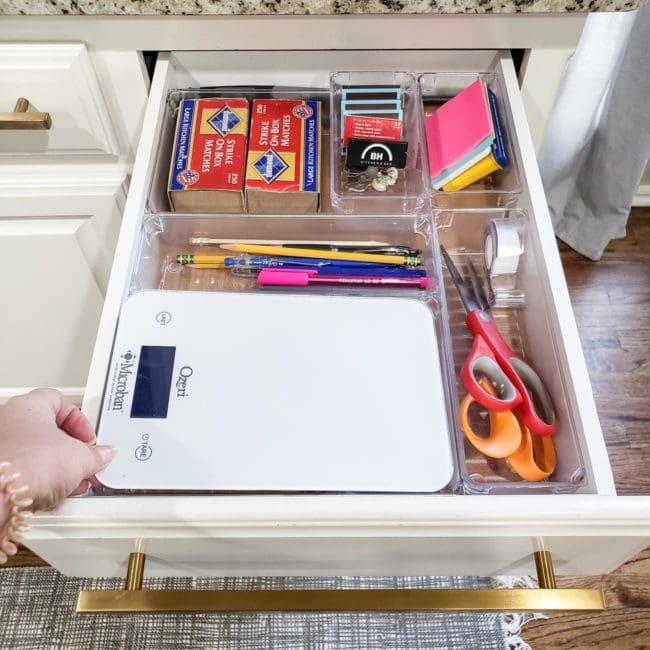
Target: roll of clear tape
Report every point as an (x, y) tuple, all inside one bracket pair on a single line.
[(502, 247)]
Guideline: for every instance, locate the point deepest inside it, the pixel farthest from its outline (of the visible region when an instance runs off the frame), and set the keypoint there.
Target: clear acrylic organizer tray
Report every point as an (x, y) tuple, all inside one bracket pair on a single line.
[(410, 194), (164, 236), (158, 199), (501, 188), (525, 326)]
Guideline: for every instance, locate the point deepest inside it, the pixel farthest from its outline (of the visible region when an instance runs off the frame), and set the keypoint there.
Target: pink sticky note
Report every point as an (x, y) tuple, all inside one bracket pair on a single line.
[(458, 127)]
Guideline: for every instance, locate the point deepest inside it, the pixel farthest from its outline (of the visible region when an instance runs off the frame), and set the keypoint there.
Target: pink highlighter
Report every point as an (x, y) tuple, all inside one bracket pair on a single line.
[(307, 277)]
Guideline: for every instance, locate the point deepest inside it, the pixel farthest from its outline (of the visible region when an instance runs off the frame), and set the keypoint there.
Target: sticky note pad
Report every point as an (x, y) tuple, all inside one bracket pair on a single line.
[(495, 160), (458, 130)]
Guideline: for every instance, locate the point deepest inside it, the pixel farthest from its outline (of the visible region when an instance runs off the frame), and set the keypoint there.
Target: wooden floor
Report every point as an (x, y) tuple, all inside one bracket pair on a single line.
[(611, 301)]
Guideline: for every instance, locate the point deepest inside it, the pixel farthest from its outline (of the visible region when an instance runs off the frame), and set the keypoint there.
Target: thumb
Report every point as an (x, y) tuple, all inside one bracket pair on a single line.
[(99, 456)]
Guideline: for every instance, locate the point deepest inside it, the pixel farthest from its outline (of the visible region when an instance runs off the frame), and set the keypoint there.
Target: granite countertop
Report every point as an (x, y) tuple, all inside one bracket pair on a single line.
[(301, 7)]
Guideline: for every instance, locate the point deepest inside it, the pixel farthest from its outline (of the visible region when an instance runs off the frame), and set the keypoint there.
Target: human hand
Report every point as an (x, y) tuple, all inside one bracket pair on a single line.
[(48, 440)]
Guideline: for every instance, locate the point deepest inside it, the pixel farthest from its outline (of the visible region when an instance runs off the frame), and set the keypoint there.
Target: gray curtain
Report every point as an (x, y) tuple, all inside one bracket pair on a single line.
[(596, 142)]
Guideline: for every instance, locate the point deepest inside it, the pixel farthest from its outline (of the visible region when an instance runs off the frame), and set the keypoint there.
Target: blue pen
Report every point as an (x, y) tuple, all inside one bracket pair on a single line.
[(256, 262), (378, 272)]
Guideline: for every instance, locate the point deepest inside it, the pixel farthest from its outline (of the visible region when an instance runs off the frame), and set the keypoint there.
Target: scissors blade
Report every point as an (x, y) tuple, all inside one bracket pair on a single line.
[(469, 301), (479, 293)]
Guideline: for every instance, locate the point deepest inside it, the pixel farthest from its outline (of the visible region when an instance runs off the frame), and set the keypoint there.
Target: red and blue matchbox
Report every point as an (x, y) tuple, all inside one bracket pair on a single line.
[(283, 164), (207, 169)]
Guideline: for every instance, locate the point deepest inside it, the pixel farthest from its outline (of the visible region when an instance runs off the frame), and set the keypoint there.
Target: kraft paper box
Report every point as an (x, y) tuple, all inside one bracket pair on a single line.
[(283, 164), (207, 170)]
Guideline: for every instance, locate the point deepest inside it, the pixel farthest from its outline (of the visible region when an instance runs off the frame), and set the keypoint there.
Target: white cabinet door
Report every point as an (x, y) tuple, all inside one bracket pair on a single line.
[(62, 191), (57, 236)]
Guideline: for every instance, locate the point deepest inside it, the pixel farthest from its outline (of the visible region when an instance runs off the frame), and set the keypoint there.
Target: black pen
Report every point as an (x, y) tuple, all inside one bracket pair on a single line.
[(389, 250)]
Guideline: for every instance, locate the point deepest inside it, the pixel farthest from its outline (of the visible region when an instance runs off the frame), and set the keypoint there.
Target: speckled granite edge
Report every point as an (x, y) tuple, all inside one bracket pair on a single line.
[(304, 7)]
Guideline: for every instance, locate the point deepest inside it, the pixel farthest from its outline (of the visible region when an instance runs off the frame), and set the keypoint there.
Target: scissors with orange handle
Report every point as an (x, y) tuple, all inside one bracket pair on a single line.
[(519, 387), (532, 457)]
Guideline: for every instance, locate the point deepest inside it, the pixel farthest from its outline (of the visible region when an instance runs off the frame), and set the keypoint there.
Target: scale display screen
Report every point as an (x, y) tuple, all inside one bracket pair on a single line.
[(153, 382)]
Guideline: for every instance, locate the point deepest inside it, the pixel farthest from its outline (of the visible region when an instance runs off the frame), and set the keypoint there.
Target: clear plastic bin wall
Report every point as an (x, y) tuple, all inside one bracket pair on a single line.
[(501, 188), (523, 321)]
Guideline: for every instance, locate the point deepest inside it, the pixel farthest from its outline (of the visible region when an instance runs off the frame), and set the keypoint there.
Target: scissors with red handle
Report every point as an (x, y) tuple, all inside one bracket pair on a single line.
[(518, 386)]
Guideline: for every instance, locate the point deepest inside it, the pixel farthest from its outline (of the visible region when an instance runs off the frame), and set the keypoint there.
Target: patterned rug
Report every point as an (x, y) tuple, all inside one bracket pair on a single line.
[(37, 612)]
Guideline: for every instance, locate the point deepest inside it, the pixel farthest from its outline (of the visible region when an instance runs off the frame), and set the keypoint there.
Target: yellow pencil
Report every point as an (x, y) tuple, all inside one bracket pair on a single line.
[(206, 266), (201, 259), (408, 260)]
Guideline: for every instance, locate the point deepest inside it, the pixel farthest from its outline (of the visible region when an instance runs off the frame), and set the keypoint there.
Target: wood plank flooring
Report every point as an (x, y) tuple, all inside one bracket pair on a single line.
[(611, 301)]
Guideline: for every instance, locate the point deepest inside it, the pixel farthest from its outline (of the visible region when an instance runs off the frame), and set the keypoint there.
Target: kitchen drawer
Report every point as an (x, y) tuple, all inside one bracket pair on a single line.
[(59, 79), (591, 531)]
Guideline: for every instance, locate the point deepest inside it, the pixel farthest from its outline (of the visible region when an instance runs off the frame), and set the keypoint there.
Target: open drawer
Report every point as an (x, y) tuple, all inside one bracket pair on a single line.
[(590, 531)]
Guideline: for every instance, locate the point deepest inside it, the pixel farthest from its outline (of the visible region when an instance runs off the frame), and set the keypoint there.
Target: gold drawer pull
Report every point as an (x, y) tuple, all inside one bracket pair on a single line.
[(134, 599), (21, 119)]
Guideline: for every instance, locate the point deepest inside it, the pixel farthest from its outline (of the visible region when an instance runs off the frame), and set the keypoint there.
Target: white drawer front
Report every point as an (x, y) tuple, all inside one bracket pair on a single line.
[(333, 556), (57, 79), (249, 535)]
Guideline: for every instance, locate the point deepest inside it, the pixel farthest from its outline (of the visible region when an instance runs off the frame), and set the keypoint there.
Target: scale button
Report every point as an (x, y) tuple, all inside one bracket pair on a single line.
[(143, 451), (163, 318)]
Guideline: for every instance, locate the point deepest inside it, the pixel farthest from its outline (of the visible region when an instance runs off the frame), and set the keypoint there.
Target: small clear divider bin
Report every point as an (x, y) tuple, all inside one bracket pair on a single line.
[(380, 113), (554, 463), (500, 188), (242, 150), (165, 236)]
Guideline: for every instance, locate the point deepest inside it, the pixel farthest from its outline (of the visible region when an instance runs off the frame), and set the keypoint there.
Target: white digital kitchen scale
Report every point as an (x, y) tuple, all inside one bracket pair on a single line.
[(275, 392)]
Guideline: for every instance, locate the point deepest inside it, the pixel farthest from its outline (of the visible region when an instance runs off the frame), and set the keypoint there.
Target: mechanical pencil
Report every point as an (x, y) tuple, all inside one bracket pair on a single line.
[(391, 250)]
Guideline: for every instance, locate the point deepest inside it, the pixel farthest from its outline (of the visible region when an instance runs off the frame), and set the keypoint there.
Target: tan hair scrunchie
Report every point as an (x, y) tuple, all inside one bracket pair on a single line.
[(16, 509)]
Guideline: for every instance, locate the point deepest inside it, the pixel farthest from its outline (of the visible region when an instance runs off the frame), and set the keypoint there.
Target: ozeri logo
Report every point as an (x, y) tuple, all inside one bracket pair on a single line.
[(270, 165), (181, 382), (224, 120), (123, 371)]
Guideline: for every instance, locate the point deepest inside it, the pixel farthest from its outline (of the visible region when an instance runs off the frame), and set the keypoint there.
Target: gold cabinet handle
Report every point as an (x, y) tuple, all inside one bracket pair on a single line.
[(134, 599), (21, 119)]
